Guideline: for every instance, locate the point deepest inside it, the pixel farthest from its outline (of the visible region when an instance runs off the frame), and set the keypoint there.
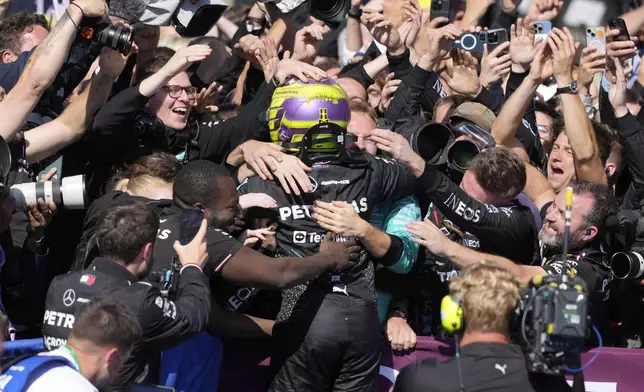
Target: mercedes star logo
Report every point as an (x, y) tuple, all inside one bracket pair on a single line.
[(69, 297)]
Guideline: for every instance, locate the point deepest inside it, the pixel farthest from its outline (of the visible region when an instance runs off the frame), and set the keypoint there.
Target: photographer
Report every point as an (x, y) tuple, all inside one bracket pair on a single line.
[(592, 204), (125, 238), (486, 296)]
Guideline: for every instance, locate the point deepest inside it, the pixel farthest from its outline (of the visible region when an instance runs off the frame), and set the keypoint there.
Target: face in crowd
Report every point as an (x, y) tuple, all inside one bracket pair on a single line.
[(361, 125), (552, 232), (173, 103), (561, 163), (225, 208)]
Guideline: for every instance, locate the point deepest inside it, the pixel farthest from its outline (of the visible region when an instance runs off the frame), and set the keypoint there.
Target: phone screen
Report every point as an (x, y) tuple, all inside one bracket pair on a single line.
[(191, 219)]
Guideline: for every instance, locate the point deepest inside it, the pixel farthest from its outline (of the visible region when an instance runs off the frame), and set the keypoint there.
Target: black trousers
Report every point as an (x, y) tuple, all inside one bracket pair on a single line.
[(336, 348)]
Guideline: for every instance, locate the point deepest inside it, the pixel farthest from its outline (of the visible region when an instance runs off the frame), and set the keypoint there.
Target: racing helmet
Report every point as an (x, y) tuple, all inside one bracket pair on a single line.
[(298, 106)]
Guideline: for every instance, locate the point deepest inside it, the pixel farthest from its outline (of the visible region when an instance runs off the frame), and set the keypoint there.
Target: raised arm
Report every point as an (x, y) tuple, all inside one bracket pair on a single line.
[(51, 137), (578, 127), (44, 65)]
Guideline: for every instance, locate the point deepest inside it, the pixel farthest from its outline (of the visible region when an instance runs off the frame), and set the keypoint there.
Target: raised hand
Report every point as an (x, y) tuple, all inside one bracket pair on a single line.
[(92, 8), (440, 44), (291, 67), (184, 58), (388, 91), (462, 76), (591, 62), (383, 31), (542, 66), (266, 57), (564, 48), (248, 47), (410, 27), (307, 42), (545, 10), (523, 47), (617, 93), (495, 65), (206, 98)]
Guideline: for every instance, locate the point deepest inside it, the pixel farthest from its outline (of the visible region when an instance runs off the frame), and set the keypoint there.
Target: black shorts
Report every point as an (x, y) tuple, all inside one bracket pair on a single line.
[(339, 351)]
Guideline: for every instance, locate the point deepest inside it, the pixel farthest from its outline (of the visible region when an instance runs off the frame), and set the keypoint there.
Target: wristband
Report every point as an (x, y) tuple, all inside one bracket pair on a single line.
[(79, 7), (400, 312), (190, 265), (355, 14)]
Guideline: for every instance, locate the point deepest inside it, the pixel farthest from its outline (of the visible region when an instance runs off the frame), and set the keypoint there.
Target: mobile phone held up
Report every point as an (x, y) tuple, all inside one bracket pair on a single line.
[(475, 42), (619, 24), (542, 29), (191, 219), (596, 38)]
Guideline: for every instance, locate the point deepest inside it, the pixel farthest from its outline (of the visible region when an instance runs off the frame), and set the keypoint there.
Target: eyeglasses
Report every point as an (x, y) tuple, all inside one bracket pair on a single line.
[(544, 129), (175, 91)]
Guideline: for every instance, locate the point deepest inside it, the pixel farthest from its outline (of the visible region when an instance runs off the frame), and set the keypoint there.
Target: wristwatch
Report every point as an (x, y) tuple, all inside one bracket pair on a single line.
[(276, 81), (355, 14), (569, 89)]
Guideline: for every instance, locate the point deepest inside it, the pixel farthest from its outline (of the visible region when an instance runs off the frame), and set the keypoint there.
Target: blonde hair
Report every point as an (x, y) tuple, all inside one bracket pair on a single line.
[(488, 295), (140, 185)]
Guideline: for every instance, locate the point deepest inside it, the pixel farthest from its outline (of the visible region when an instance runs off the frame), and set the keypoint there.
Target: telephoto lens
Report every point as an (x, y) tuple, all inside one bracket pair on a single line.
[(331, 12), (627, 265), (116, 37), (68, 193), (430, 141), (460, 154)]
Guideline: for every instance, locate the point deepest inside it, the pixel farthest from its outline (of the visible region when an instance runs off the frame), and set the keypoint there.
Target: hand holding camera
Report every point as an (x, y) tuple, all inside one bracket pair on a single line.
[(591, 62), (92, 8), (440, 44), (495, 65)]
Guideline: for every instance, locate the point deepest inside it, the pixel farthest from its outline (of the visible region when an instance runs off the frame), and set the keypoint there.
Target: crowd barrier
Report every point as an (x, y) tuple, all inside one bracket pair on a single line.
[(245, 365)]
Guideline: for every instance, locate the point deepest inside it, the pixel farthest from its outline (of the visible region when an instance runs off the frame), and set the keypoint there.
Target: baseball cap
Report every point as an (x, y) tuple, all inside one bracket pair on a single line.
[(476, 113)]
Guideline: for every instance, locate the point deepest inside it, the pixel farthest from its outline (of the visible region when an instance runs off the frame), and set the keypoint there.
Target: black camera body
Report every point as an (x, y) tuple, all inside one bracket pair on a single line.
[(552, 322), (95, 34)]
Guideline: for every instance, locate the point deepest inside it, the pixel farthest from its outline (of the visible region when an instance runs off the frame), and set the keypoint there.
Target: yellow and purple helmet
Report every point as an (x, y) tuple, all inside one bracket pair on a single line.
[(297, 106)]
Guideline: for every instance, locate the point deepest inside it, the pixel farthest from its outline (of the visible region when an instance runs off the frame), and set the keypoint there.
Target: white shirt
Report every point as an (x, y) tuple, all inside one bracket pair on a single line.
[(58, 378)]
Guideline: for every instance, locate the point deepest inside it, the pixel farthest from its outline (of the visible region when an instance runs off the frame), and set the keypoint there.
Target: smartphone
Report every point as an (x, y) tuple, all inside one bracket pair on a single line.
[(495, 38), (149, 388), (191, 219), (542, 29), (475, 42), (619, 24), (596, 38)]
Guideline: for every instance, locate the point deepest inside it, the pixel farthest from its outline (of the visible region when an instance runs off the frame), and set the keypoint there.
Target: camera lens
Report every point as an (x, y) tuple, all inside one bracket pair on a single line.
[(627, 265), (468, 41), (492, 38), (460, 155), (589, 31), (117, 38)]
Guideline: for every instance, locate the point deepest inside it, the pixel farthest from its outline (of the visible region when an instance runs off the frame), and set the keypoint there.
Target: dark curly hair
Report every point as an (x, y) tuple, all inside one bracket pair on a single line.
[(15, 25)]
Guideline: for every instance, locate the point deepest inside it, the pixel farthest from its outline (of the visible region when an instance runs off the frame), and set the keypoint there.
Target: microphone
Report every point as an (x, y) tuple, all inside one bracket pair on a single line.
[(567, 219)]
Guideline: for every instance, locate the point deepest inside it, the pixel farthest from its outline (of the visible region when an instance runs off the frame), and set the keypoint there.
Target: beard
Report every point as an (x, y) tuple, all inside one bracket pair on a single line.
[(549, 241)]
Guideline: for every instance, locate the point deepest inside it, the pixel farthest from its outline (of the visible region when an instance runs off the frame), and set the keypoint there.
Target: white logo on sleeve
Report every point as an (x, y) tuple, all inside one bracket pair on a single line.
[(500, 368)]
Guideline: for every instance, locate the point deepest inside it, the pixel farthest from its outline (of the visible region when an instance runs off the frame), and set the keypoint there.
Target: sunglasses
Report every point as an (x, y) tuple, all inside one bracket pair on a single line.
[(175, 91)]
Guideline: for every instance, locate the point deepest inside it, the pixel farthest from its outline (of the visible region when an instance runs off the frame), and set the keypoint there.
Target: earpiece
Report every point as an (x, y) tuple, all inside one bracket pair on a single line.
[(452, 313)]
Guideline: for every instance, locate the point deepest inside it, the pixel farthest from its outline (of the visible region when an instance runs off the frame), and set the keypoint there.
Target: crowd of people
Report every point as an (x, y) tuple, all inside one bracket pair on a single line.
[(321, 185)]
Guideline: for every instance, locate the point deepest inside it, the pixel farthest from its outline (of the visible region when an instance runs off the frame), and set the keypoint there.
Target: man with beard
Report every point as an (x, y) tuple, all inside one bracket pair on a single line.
[(592, 204)]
